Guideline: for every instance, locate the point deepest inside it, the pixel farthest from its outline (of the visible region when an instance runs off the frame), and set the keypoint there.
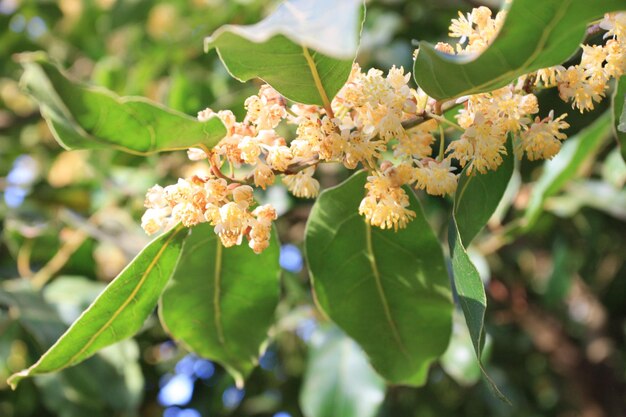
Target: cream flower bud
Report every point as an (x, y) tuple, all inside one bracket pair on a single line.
[(228, 118), (182, 191), (212, 214), (217, 190), (397, 78), (258, 246), (303, 184), (265, 214), (205, 114), (263, 175), (231, 224), (250, 150), (188, 214), (155, 198), (437, 178), (243, 195), (279, 157), (196, 154), (154, 219), (542, 140), (267, 137)]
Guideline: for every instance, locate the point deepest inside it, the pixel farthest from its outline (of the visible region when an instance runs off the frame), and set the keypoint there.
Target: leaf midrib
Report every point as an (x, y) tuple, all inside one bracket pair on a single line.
[(132, 295), (316, 77), (381, 291)]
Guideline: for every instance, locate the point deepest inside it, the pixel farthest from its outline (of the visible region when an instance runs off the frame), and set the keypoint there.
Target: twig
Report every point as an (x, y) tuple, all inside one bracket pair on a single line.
[(414, 121), (71, 245), (299, 166), (442, 119), (23, 259)]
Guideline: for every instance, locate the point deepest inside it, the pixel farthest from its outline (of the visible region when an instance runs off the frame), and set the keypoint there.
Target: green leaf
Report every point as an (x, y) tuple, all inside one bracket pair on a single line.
[(387, 290), (535, 35), (475, 201), (338, 380), (221, 301), (619, 114), (556, 172), (119, 312), (458, 360), (86, 117), (304, 50)]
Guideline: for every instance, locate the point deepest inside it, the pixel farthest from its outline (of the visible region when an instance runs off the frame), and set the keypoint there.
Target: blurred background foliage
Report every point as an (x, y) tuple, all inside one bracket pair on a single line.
[(69, 224)]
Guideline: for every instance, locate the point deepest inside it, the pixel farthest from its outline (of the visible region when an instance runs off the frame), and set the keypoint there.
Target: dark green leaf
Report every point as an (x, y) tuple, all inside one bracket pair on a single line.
[(86, 117), (476, 199), (619, 114), (565, 165), (221, 301), (387, 290), (305, 49), (478, 196), (338, 380), (119, 312), (535, 35)]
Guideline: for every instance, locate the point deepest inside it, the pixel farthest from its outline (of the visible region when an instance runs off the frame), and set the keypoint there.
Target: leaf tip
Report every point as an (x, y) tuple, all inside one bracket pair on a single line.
[(15, 379), (211, 41)]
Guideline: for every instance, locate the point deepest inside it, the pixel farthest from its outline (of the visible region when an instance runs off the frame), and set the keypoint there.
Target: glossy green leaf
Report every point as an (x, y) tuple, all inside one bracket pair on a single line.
[(338, 380), (556, 172), (387, 290), (305, 49), (86, 117), (476, 200), (220, 302), (619, 114), (535, 35), (119, 311)]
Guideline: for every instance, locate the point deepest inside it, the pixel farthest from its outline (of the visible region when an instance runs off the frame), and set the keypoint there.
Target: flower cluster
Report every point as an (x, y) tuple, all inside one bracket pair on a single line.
[(587, 83), (377, 121), (475, 31), (213, 201)]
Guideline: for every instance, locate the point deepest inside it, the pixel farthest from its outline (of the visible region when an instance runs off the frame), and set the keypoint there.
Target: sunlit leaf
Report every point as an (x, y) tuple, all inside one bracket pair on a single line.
[(535, 35), (338, 379), (387, 290), (305, 49), (86, 117), (119, 311), (221, 301)]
